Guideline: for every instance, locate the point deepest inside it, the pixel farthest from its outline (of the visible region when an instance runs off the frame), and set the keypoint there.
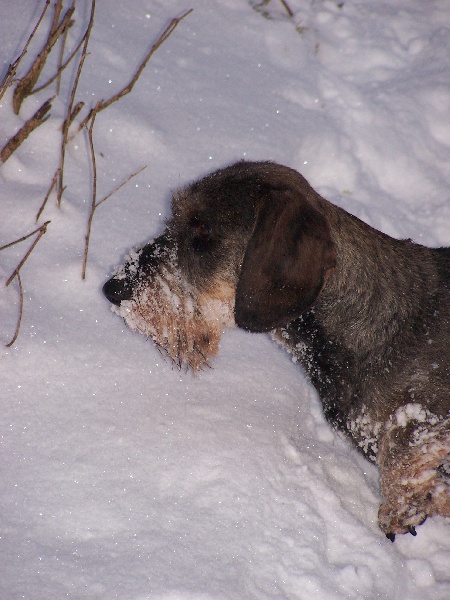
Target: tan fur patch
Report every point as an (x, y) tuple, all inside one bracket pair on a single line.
[(186, 325)]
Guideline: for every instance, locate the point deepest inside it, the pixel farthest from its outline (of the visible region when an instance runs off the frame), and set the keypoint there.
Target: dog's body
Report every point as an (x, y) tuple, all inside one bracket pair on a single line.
[(366, 315)]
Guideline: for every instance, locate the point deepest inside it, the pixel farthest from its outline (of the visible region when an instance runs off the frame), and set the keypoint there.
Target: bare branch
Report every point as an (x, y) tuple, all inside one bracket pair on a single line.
[(37, 119)]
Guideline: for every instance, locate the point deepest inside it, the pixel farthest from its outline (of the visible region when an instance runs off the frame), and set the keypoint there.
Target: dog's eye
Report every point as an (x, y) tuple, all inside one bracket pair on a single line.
[(201, 234)]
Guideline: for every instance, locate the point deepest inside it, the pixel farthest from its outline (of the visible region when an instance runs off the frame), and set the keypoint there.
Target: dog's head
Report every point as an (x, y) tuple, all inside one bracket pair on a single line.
[(247, 244)]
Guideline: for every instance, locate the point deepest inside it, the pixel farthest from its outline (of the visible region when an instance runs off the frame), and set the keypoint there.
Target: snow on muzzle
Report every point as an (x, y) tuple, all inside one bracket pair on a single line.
[(154, 298)]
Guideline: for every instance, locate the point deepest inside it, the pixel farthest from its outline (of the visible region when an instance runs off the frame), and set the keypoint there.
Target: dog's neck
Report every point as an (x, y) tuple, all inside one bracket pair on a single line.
[(377, 286)]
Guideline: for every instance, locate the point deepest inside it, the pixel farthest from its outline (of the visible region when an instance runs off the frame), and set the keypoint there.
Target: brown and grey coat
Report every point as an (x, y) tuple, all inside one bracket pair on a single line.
[(367, 316)]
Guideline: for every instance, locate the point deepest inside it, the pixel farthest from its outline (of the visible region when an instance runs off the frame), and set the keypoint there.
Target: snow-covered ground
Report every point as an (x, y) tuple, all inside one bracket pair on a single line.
[(122, 477)]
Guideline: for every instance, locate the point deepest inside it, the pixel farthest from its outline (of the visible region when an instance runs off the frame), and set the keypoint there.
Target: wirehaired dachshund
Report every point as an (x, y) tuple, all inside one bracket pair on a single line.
[(367, 316)]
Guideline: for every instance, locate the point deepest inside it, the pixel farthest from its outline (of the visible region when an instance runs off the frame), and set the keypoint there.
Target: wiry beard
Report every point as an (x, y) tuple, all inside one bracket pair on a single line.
[(186, 325)]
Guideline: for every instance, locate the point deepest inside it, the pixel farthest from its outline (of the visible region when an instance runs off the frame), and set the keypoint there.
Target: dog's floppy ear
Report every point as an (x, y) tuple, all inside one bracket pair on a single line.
[(285, 264)]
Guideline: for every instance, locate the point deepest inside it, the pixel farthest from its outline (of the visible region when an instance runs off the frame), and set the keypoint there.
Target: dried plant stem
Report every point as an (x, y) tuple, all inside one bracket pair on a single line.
[(287, 8), (117, 188), (61, 67), (19, 318), (12, 69), (127, 89), (93, 198), (56, 14), (25, 237), (70, 110), (37, 119), (27, 83), (61, 64), (94, 203), (47, 196), (16, 273), (8, 78), (40, 231)]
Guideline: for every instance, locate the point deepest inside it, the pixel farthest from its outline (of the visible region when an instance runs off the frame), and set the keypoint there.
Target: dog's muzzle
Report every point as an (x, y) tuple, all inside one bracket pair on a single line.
[(154, 298)]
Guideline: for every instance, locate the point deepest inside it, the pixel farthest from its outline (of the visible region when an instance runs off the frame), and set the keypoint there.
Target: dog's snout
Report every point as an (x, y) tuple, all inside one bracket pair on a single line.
[(117, 290)]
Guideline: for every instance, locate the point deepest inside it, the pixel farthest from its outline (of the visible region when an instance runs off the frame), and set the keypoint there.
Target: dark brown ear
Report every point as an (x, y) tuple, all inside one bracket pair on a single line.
[(285, 263)]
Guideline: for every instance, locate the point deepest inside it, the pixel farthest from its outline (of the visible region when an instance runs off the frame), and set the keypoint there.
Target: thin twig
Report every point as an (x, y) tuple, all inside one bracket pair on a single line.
[(127, 89), (25, 237), (40, 231), (75, 112), (12, 69), (69, 111), (94, 203), (8, 78), (117, 188), (37, 119), (93, 198), (19, 319), (287, 8), (16, 273), (47, 196), (61, 60), (101, 105)]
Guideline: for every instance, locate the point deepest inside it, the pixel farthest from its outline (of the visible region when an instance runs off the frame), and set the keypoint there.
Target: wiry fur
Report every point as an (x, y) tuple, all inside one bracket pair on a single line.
[(366, 315)]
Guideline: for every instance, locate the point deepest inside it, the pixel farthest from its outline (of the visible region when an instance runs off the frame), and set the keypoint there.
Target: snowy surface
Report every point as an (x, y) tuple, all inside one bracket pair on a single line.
[(122, 477)]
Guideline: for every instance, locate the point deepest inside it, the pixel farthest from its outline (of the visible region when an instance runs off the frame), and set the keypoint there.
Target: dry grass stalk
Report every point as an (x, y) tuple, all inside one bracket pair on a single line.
[(28, 81), (75, 112), (287, 8), (56, 14), (70, 110), (93, 198), (40, 231), (62, 65), (37, 119), (117, 188), (47, 196), (94, 203), (8, 78), (12, 69), (16, 273), (19, 318), (127, 89), (26, 87)]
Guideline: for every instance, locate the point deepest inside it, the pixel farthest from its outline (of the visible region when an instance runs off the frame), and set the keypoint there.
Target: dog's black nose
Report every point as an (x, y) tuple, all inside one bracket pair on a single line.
[(117, 290)]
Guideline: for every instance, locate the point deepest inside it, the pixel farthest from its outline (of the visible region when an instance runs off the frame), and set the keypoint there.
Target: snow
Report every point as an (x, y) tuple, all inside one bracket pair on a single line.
[(123, 477)]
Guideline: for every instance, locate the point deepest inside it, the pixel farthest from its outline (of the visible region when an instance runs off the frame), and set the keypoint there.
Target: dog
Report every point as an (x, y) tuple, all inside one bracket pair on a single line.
[(254, 246)]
